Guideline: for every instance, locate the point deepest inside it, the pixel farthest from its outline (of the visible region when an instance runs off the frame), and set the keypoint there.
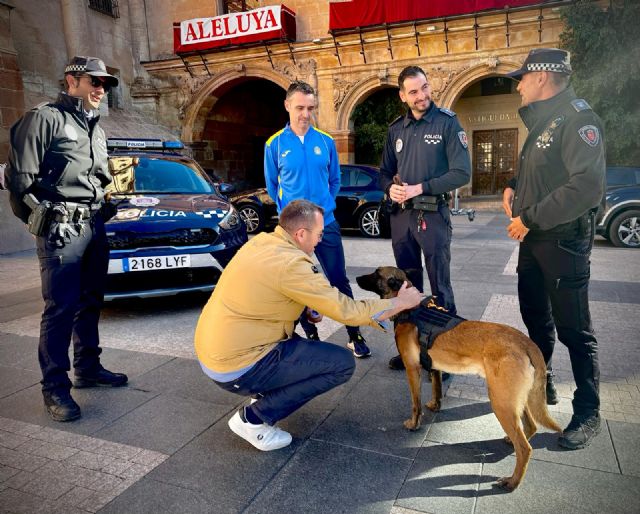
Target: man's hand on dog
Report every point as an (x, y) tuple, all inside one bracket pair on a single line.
[(408, 297)]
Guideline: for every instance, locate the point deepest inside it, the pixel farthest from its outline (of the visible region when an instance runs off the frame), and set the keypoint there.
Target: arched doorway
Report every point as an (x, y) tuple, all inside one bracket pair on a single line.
[(370, 120), (246, 113), (488, 111)]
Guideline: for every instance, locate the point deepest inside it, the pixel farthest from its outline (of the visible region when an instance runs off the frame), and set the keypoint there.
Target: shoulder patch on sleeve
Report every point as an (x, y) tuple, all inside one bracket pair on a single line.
[(270, 140), (580, 105), (323, 132), (590, 134), (396, 120), (447, 111)]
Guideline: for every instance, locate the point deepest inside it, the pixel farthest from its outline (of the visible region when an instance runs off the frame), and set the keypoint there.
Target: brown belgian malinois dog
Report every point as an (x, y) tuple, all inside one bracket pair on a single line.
[(510, 362)]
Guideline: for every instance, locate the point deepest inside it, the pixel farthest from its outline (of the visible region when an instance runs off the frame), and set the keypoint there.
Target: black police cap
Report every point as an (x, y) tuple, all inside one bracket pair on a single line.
[(91, 66), (544, 59)]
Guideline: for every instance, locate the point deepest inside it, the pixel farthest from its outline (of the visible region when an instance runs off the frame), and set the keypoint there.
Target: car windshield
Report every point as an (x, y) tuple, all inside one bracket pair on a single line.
[(134, 175)]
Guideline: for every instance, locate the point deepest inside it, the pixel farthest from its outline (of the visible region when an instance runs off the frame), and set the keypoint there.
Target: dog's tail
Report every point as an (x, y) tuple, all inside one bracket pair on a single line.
[(537, 400)]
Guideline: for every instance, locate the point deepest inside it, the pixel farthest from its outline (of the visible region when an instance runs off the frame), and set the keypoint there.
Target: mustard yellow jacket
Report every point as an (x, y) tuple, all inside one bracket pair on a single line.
[(260, 294)]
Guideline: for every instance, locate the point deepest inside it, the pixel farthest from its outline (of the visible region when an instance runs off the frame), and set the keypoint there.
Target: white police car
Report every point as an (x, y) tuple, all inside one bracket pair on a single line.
[(174, 231)]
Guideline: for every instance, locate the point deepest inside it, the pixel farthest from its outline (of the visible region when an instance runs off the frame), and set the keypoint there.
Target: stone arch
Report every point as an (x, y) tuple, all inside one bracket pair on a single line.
[(492, 67), (354, 96), (205, 98)]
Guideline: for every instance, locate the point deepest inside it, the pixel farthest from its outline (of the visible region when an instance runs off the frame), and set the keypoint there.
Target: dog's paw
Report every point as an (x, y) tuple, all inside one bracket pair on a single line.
[(507, 483), (412, 424), (433, 406)]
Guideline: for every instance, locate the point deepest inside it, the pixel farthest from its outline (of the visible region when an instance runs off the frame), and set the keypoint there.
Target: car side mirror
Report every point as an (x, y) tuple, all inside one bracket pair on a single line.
[(226, 188)]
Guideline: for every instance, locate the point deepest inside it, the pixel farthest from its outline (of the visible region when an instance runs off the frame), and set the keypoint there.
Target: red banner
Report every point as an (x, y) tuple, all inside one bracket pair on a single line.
[(262, 24), (363, 13)]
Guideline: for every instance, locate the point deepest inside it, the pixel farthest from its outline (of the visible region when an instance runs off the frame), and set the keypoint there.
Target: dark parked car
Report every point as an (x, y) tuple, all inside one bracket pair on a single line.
[(174, 231), (356, 204), (618, 219)]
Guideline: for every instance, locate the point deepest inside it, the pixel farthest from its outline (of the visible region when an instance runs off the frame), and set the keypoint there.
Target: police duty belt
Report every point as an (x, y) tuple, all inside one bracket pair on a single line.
[(431, 321)]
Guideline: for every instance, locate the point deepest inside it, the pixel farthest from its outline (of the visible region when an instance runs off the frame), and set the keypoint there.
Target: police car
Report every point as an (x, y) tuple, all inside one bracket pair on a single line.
[(174, 231)]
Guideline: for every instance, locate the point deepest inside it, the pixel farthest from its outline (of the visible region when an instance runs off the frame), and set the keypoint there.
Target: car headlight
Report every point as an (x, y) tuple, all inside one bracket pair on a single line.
[(231, 220)]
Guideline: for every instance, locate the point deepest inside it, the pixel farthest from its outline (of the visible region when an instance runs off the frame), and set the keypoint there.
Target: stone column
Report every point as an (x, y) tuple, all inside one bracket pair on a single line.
[(76, 28), (345, 145), (12, 89)]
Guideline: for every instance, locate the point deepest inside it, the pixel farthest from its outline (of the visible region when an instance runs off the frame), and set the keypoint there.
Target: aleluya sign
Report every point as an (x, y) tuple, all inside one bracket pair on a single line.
[(262, 24)]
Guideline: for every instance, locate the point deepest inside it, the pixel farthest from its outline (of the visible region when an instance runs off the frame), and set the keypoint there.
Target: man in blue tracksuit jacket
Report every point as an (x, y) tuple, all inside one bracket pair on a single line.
[(301, 162)]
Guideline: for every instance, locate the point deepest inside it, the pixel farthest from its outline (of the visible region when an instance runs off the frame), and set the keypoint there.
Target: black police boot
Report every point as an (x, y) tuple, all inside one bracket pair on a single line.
[(396, 363), (103, 377), (580, 432), (60, 405), (552, 393)]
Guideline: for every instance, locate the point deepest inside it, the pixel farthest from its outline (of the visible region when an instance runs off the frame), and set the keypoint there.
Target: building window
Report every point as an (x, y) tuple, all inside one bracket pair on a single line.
[(240, 5), (109, 7)]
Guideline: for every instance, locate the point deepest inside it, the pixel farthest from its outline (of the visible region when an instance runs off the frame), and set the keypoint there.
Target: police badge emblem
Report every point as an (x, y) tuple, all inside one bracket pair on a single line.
[(462, 136), (546, 138), (316, 150), (590, 134), (398, 145)]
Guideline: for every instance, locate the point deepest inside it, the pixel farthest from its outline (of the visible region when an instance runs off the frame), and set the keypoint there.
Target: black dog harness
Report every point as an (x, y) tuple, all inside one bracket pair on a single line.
[(431, 321)]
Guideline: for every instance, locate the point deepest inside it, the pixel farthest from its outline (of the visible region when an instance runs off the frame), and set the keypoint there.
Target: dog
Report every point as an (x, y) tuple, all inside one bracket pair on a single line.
[(510, 362)]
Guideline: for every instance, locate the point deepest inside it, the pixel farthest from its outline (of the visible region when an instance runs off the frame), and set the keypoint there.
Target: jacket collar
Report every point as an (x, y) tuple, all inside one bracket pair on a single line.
[(537, 111), (287, 130), (75, 105), (427, 117), (281, 233)]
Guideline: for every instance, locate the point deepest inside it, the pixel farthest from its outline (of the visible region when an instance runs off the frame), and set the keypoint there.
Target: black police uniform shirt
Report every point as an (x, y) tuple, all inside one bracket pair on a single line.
[(431, 151), (58, 155), (562, 166)]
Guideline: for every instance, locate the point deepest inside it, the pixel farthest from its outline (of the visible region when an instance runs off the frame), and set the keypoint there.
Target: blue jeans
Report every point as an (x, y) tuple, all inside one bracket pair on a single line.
[(294, 372), (330, 254)]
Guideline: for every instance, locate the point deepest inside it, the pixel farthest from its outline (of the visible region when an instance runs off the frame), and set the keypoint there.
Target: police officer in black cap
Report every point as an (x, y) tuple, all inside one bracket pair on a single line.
[(551, 203), (56, 175), (424, 158)]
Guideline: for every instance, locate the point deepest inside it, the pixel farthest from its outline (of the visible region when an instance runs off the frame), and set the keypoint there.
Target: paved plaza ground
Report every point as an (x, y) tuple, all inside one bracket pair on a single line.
[(162, 444)]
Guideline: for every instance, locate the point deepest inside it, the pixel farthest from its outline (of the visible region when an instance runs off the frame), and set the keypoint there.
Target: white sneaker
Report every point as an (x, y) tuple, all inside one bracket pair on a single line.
[(264, 437)]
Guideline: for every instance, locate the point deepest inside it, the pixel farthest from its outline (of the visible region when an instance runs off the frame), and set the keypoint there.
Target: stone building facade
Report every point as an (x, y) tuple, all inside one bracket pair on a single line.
[(224, 103)]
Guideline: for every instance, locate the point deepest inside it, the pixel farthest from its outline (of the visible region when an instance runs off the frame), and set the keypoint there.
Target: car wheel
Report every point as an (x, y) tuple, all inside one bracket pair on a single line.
[(625, 229), (252, 218), (368, 222)]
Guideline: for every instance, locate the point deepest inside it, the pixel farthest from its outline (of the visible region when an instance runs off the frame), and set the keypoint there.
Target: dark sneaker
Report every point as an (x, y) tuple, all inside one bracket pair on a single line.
[(552, 393), (359, 347), (580, 432), (60, 405), (396, 363), (104, 377)]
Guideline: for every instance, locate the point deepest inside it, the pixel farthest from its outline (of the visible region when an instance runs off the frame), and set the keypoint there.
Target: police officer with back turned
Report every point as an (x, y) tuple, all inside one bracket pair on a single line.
[(551, 203), (424, 158), (56, 176)]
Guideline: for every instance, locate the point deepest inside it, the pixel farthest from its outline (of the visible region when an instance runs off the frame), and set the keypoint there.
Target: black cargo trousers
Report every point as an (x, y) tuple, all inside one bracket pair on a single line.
[(553, 290), (73, 277), (433, 240)]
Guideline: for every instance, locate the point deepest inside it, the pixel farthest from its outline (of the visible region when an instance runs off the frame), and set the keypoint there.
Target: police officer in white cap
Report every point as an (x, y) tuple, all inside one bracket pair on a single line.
[(551, 203), (56, 175)]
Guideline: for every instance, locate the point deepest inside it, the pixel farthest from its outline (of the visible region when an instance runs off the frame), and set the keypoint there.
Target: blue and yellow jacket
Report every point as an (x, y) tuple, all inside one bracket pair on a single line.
[(294, 170)]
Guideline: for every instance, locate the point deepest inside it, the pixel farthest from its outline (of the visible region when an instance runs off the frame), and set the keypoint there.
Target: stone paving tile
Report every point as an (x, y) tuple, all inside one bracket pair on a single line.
[(52, 471), (10, 440), (49, 450), (50, 488)]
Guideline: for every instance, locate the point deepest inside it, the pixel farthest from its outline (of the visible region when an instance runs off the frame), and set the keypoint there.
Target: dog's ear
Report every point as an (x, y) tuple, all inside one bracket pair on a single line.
[(394, 283)]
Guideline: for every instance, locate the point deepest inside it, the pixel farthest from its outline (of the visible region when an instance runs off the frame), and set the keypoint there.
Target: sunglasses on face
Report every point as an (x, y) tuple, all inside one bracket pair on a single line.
[(99, 82)]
